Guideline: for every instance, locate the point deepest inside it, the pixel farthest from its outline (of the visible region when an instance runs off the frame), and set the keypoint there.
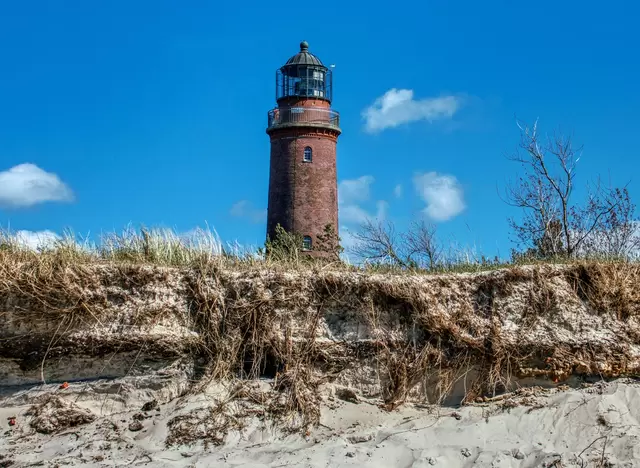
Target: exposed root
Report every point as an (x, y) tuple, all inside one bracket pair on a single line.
[(296, 403), (209, 425)]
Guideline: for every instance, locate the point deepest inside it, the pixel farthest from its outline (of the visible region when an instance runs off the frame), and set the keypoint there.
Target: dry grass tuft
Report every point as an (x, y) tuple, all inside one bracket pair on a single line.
[(608, 287)]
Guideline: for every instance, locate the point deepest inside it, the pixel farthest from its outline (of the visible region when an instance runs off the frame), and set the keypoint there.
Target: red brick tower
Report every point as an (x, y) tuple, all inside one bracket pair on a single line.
[(303, 187)]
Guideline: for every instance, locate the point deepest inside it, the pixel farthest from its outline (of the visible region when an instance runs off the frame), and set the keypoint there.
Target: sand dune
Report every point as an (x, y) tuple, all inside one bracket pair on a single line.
[(592, 426)]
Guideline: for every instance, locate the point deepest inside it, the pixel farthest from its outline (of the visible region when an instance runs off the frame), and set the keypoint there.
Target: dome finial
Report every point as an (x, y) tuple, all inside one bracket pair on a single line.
[(304, 46)]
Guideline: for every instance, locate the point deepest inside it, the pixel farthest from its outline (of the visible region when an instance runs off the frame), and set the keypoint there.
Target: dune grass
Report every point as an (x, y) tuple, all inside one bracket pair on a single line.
[(200, 247), (144, 246)]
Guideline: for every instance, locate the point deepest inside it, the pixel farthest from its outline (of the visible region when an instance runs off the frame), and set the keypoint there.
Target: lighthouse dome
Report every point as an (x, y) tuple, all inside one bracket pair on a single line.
[(304, 57)]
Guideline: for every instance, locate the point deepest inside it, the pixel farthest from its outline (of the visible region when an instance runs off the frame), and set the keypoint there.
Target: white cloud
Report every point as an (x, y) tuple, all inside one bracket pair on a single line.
[(355, 190), (442, 194), (351, 193), (244, 209), (35, 239), (397, 107), (354, 214), (397, 191), (26, 185)]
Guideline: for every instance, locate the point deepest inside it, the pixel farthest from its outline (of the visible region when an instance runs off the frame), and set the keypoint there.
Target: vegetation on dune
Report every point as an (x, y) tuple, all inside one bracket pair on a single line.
[(423, 334)]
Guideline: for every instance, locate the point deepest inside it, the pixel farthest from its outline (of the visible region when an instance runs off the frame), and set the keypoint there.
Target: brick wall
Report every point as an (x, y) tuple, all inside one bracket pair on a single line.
[(295, 101), (303, 196)]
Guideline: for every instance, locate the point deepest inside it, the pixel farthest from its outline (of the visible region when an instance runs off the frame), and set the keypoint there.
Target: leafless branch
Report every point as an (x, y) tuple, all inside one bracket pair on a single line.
[(379, 242), (422, 245), (553, 223)]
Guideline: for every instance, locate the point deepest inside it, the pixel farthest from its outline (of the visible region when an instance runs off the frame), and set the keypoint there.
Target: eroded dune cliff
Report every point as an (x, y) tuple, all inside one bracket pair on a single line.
[(224, 354)]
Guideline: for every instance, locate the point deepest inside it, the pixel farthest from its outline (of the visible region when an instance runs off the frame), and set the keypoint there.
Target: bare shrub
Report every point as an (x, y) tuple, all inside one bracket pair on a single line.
[(553, 224), (378, 242)]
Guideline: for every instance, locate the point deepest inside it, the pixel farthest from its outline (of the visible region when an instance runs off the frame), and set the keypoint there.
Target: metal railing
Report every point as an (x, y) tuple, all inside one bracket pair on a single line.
[(300, 116)]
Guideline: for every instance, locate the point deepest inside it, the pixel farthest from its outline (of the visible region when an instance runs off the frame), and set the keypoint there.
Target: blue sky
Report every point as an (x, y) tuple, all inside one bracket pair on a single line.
[(117, 113)]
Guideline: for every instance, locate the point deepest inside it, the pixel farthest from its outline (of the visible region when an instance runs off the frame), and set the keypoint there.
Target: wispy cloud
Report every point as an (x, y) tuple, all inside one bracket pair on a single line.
[(397, 191), (244, 209), (25, 185), (398, 106), (353, 214), (353, 192), (442, 194), (35, 239)]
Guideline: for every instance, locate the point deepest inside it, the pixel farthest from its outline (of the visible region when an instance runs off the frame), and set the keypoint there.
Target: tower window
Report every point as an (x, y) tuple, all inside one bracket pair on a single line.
[(308, 154), (306, 243)]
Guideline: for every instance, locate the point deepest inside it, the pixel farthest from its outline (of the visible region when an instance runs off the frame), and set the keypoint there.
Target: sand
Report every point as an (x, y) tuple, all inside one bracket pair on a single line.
[(592, 426)]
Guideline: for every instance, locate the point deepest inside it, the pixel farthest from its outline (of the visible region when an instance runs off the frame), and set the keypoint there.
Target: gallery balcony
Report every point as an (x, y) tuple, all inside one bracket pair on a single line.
[(303, 117)]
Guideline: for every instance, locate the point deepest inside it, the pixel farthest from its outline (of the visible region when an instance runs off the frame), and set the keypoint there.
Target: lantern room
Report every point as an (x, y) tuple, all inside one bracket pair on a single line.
[(304, 76)]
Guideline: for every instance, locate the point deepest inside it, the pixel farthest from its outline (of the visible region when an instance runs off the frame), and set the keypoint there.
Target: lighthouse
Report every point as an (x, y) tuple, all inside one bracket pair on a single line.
[(304, 130)]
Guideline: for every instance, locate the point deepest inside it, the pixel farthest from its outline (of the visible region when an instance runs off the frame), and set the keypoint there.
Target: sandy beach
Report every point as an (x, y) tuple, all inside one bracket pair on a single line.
[(592, 426)]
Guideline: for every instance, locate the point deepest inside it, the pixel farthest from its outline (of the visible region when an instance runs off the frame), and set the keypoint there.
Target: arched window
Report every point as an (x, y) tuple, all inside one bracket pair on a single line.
[(306, 243), (308, 154)]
